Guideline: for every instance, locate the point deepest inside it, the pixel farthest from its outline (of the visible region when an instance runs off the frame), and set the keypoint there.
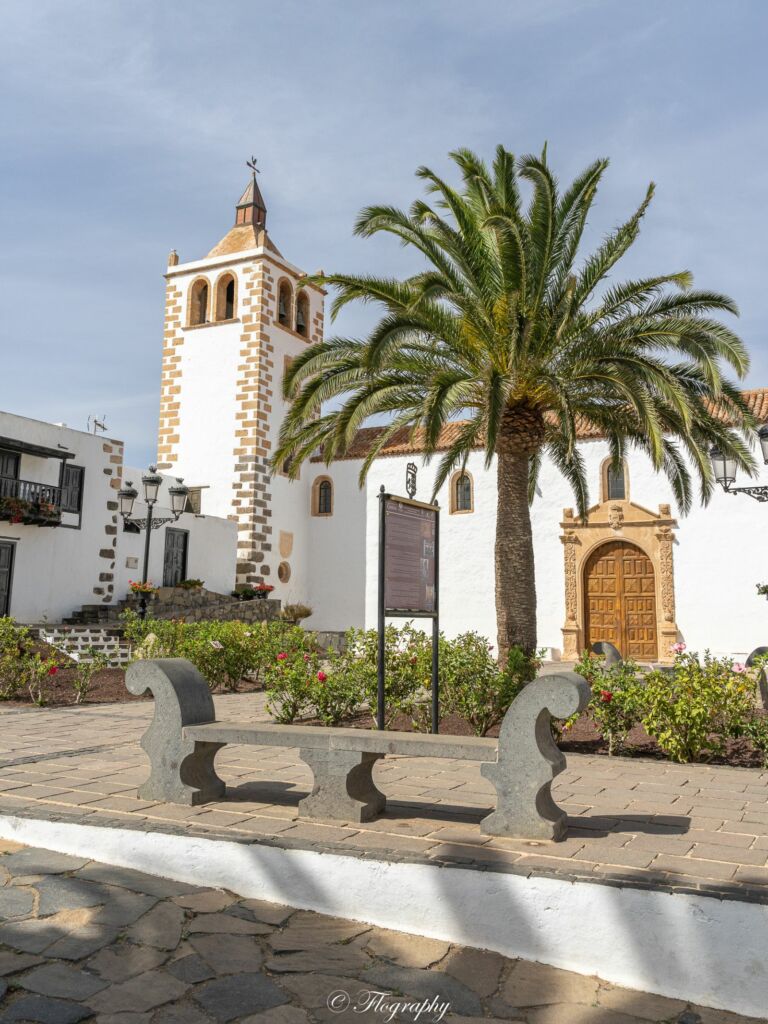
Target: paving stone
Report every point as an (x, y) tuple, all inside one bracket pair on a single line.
[(12, 963), (228, 998), (227, 924), (639, 1004), (184, 1012), (405, 950), (313, 992), (560, 1013), (144, 992), (124, 960), (31, 861), (478, 969), (338, 959), (43, 1010), (425, 985), (123, 907), (229, 954), (125, 1018), (192, 969), (61, 980), (207, 901), (532, 984), (15, 902), (59, 892), (36, 935), (258, 910), (279, 1015), (159, 927), (163, 888), (306, 930)]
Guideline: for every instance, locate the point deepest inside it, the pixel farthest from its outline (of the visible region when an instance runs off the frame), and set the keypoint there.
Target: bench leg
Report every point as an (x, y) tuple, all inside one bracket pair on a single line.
[(183, 773), (343, 786)]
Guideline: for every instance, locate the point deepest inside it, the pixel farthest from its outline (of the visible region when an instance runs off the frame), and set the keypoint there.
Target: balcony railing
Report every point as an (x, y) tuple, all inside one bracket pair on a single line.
[(27, 502)]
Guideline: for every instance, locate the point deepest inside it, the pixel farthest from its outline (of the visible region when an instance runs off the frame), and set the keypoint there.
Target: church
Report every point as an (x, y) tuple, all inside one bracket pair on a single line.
[(635, 572)]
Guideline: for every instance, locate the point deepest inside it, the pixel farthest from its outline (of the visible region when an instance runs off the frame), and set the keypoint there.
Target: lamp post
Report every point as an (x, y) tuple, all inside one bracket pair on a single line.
[(724, 468), (126, 496)]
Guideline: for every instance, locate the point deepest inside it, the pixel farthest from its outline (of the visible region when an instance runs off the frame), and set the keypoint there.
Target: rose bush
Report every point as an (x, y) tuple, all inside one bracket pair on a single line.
[(616, 697)]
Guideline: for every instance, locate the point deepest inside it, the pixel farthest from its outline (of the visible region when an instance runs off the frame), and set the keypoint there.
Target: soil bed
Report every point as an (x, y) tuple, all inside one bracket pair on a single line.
[(108, 687)]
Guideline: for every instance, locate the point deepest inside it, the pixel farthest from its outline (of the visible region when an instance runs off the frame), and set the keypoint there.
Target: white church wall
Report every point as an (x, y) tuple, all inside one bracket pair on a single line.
[(338, 559), (715, 567)]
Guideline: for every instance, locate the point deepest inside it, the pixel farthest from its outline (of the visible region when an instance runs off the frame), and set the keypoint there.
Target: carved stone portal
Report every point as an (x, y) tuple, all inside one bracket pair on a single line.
[(652, 532)]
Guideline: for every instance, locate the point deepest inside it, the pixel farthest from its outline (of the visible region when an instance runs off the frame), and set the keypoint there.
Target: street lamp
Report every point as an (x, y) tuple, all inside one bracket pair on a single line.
[(151, 482), (724, 468)]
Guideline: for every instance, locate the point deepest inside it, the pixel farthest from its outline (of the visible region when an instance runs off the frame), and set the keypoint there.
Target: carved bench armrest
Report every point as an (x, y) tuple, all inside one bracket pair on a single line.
[(529, 758), (181, 769)]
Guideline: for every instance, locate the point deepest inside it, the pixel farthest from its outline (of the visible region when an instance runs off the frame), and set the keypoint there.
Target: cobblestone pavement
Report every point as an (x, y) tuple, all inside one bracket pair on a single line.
[(644, 822), (83, 941)]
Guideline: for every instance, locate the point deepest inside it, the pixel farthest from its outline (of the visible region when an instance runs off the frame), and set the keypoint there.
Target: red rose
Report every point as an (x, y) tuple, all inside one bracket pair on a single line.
[(606, 696), (321, 677), (52, 670), (282, 656)]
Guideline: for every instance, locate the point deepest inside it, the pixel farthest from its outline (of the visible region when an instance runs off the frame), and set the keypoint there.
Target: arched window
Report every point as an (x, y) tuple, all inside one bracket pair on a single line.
[(284, 304), (462, 493), (322, 497), (615, 481), (302, 315), (225, 297), (198, 303)]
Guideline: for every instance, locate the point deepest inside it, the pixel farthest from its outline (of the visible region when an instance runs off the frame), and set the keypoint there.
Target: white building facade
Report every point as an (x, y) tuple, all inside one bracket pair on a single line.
[(635, 573), (62, 542)]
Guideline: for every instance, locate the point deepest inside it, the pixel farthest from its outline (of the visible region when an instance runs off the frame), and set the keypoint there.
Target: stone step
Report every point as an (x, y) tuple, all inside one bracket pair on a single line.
[(76, 642)]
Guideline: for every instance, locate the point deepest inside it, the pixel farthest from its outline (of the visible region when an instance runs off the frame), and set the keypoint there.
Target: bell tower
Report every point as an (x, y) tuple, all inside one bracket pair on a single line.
[(233, 322)]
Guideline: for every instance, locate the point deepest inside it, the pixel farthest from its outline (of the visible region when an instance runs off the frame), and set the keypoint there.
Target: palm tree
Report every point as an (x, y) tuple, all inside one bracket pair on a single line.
[(506, 330)]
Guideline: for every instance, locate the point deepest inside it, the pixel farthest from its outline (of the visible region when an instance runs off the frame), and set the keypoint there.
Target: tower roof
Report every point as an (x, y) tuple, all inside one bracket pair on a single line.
[(251, 208), (250, 229)]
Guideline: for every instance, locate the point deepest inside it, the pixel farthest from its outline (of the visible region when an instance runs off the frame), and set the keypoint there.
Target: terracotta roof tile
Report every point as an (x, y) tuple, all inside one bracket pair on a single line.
[(408, 442)]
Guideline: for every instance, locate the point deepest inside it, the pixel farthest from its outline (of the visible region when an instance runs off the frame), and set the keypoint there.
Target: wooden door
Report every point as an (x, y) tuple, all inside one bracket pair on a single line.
[(175, 561), (620, 599), (6, 574)]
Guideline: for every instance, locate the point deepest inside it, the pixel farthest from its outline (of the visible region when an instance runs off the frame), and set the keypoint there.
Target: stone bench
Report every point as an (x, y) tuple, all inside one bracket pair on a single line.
[(184, 738)]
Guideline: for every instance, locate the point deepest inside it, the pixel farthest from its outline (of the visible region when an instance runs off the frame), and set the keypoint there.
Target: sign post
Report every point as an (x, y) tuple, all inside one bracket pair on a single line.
[(409, 551)]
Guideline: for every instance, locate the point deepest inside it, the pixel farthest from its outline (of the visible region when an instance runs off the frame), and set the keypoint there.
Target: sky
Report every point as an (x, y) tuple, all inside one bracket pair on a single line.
[(125, 129)]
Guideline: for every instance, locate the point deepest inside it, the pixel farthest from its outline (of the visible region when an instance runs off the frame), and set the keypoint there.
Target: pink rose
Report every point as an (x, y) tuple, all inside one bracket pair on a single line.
[(321, 677), (739, 668), (678, 648), (282, 656)]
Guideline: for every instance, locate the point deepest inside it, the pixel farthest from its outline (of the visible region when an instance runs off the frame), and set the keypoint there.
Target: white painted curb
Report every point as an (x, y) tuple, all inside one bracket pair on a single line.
[(697, 948)]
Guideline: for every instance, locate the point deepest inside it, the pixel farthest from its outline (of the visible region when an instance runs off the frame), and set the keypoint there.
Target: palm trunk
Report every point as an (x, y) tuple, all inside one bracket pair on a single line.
[(519, 437)]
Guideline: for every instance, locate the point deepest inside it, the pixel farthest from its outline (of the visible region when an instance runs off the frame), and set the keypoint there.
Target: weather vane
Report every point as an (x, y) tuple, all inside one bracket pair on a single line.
[(252, 164)]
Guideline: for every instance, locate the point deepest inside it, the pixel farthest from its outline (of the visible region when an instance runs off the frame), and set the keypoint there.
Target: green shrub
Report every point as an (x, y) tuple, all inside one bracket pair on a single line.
[(407, 668), (471, 684), (86, 670), (289, 680), (223, 651), (337, 689), (617, 697), (19, 667), (697, 707)]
